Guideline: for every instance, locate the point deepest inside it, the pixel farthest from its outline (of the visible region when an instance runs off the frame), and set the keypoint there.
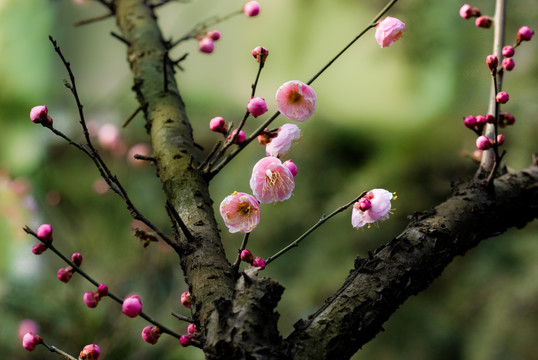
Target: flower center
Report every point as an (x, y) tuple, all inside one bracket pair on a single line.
[(294, 97), (271, 177), (243, 209)]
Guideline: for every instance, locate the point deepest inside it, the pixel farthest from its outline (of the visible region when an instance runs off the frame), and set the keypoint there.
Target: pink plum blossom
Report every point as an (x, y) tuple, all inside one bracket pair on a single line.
[(241, 212), (388, 31), (296, 100), (30, 341), (374, 206), (186, 299), (206, 45), (287, 135), (271, 181), (151, 334), (132, 306), (90, 352), (251, 8), (257, 106)]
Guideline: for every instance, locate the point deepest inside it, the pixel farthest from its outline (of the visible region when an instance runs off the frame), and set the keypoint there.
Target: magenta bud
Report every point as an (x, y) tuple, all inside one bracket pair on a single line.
[(259, 262), (508, 51), (65, 274), (214, 35), (206, 45), (508, 64), (481, 120), (76, 258), (524, 33), (239, 139), (260, 54), (90, 352), (44, 233), (470, 121), (191, 329), (257, 106), (500, 139), (364, 204), (492, 61), (30, 341), (186, 299), (151, 334), (132, 306), (291, 167), (217, 124), (251, 8), (507, 119), (483, 142), (490, 119), (484, 22), (40, 114), (90, 299), (466, 11), (502, 97), (247, 256), (102, 290), (185, 340), (39, 248)]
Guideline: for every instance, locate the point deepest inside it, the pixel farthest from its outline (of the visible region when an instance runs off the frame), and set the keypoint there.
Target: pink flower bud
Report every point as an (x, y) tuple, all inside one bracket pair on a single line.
[(27, 326), (259, 262), (377, 204), (90, 352), (502, 97), (507, 119), (481, 120), (466, 11), (296, 100), (364, 204), (39, 114), (217, 124), (191, 329), (102, 290), (490, 119), (214, 35), (30, 341), (484, 22), (151, 334), (388, 31), (39, 248), (132, 306), (257, 106), (65, 274), (186, 299), (44, 233), (470, 121), (508, 51), (291, 167), (524, 33), (76, 258), (240, 212), (251, 8), (492, 61), (185, 340), (508, 64), (483, 142), (247, 256), (239, 139), (206, 45), (90, 299), (260, 54), (500, 139)]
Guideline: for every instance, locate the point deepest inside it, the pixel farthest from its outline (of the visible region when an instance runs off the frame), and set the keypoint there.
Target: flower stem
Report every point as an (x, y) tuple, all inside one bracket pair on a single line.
[(58, 351), (320, 222), (235, 266)]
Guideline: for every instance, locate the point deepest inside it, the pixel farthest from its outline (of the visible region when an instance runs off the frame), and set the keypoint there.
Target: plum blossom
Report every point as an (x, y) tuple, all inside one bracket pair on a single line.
[(287, 135), (388, 31), (271, 181), (374, 206), (241, 212), (296, 100)]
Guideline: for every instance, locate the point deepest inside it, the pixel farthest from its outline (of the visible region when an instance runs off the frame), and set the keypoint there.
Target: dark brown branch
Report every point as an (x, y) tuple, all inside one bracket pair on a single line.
[(94, 19), (377, 286)]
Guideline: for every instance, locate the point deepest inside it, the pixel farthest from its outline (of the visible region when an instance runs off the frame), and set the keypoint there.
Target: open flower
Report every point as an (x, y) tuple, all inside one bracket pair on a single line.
[(288, 134), (241, 212), (271, 181), (388, 31), (296, 100), (374, 206)]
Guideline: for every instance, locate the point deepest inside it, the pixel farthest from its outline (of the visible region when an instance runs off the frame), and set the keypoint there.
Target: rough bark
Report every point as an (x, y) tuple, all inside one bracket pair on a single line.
[(236, 311)]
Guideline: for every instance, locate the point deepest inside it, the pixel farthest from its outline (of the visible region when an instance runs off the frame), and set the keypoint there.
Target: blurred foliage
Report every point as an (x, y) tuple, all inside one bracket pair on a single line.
[(388, 118)]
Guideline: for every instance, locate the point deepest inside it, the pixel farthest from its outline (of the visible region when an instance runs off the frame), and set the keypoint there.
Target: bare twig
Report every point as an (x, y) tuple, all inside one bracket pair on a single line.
[(94, 19)]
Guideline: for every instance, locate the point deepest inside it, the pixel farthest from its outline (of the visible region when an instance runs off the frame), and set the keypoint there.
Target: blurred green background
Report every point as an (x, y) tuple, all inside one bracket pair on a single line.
[(389, 118)]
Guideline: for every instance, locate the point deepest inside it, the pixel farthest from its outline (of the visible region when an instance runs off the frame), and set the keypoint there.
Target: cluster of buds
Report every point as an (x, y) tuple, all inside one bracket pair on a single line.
[(91, 299), (468, 12), (206, 44), (44, 233), (65, 274), (191, 336), (247, 257)]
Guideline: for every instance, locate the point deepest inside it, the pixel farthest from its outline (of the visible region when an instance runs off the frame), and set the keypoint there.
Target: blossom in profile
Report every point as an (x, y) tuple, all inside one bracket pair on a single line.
[(388, 31), (287, 135), (90, 352), (132, 306), (240, 211), (271, 181), (296, 100), (374, 206), (251, 8)]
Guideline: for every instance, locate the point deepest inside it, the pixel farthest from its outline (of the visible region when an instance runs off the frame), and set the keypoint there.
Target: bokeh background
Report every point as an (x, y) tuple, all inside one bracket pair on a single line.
[(389, 118)]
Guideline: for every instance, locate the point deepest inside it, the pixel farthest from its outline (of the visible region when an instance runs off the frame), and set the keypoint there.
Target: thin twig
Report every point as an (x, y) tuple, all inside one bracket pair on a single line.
[(182, 317), (120, 38), (60, 352), (235, 266), (94, 19), (320, 222), (179, 221), (133, 114)]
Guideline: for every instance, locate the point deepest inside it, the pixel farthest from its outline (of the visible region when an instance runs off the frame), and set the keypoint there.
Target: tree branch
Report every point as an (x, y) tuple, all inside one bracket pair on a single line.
[(377, 286)]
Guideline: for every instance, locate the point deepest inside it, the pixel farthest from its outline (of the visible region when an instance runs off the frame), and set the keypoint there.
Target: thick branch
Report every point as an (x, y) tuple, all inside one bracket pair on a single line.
[(377, 286)]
